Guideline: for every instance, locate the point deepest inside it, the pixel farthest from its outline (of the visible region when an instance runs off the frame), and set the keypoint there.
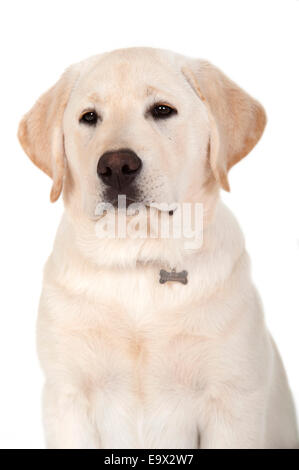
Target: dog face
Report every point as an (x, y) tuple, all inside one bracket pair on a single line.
[(149, 124), (133, 126)]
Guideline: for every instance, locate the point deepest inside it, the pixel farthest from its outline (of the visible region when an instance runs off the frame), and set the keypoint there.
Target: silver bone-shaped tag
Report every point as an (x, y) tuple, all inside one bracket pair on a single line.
[(173, 276)]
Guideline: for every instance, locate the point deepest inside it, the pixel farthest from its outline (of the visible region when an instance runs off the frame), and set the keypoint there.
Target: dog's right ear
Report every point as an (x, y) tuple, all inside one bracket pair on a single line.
[(40, 131)]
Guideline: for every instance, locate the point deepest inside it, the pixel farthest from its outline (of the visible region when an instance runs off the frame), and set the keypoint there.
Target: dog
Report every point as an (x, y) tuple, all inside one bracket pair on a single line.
[(151, 342)]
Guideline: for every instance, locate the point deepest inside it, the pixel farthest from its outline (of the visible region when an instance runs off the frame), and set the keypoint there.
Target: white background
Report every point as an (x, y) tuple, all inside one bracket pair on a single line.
[(256, 44)]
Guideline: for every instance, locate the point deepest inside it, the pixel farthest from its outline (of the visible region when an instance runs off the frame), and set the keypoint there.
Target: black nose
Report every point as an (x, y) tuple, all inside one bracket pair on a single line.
[(118, 168)]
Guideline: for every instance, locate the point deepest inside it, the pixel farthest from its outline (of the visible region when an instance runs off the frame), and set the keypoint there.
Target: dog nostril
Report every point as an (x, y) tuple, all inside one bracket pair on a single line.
[(107, 172), (126, 170)]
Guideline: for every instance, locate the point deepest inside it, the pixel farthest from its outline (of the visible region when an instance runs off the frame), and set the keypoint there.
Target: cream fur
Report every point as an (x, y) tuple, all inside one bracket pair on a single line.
[(129, 362)]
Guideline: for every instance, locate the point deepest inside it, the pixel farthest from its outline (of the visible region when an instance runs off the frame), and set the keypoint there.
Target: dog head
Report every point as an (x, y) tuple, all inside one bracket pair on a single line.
[(149, 124)]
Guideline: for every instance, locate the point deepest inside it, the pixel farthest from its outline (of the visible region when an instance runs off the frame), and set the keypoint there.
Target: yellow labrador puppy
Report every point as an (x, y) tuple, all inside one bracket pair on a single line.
[(150, 341)]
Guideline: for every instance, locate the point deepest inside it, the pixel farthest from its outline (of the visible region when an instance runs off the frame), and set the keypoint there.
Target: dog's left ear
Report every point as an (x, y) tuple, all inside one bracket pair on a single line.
[(40, 131), (237, 121)]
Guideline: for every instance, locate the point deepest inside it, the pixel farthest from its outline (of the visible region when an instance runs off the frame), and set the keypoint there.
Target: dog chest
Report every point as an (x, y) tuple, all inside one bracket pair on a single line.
[(136, 360)]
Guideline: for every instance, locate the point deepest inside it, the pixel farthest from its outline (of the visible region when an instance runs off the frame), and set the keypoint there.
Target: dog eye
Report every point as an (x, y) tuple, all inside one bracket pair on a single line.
[(162, 111), (90, 118)]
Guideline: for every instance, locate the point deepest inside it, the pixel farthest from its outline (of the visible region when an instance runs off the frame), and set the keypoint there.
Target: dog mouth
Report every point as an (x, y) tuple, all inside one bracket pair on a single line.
[(132, 196), (124, 202), (122, 199), (131, 203)]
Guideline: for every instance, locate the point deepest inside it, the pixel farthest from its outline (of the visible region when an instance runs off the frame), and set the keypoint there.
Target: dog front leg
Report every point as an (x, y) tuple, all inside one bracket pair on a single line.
[(237, 424), (67, 419)]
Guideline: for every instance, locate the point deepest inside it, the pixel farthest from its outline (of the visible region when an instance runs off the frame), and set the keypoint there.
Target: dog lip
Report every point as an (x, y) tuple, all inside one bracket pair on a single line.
[(172, 208), (129, 201)]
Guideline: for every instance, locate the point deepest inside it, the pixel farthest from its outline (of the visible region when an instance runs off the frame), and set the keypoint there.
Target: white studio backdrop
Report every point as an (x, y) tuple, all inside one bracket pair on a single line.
[(255, 43)]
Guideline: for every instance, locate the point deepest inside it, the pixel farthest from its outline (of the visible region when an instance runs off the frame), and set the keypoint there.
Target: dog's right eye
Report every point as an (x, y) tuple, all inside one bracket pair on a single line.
[(90, 118)]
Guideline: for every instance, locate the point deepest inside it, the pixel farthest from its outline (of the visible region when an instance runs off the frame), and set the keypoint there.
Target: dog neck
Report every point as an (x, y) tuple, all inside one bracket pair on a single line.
[(170, 256)]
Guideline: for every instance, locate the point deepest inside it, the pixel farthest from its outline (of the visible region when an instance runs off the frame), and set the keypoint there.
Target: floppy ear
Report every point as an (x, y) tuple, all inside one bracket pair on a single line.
[(237, 121), (40, 131)]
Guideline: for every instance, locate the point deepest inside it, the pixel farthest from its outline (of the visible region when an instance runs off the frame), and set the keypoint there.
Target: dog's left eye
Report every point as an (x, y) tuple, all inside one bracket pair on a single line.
[(162, 111), (90, 118)]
